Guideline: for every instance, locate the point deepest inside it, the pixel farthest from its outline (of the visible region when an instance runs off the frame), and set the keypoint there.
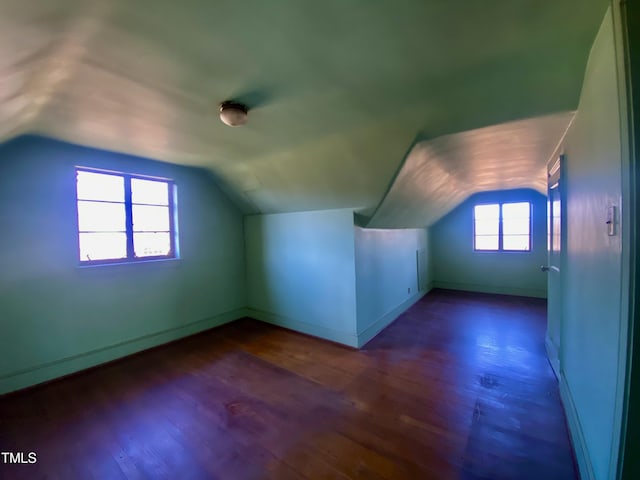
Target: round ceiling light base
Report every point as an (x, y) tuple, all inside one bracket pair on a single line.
[(233, 114)]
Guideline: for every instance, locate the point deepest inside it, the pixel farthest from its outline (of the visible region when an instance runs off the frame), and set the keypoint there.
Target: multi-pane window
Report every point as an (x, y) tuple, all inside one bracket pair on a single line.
[(124, 217), (502, 227)]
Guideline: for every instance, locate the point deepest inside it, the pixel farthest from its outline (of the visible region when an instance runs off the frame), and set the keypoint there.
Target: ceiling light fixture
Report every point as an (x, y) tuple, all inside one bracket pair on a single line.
[(233, 114)]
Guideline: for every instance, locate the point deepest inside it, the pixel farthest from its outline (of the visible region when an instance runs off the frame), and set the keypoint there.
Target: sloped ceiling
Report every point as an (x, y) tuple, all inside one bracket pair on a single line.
[(338, 89), (441, 173)]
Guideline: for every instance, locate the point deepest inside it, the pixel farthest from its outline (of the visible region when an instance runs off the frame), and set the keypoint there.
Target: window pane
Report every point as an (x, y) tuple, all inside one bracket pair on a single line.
[(515, 226), (151, 244), (515, 242), (486, 212), (102, 246), (486, 242), (149, 191), (98, 216), (100, 186), (487, 227), (555, 226), (148, 218), (515, 210)]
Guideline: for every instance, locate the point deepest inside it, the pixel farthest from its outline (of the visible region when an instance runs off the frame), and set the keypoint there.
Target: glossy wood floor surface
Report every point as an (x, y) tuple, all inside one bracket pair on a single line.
[(457, 388)]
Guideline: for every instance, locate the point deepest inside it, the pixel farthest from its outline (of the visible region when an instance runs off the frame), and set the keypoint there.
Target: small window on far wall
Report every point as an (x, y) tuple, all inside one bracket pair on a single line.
[(502, 227), (124, 217)]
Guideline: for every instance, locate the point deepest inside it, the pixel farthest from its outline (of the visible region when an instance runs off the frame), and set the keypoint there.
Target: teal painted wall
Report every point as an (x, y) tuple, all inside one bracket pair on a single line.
[(387, 276), (315, 272), (457, 266), (592, 270), (56, 317), (300, 272)]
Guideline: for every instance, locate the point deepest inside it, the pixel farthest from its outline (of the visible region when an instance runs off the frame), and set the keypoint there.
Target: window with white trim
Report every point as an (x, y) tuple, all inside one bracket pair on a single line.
[(124, 217), (502, 227)]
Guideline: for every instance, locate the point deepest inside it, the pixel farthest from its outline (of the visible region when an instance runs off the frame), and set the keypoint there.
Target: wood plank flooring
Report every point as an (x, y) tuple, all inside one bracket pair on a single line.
[(458, 387)]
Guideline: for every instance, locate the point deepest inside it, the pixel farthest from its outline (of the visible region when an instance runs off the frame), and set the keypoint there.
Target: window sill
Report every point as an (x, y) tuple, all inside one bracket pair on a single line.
[(501, 251), (157, 262)]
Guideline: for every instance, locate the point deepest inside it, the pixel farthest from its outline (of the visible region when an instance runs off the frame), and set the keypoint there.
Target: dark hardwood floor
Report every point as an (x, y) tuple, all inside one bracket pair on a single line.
[(458, 387)]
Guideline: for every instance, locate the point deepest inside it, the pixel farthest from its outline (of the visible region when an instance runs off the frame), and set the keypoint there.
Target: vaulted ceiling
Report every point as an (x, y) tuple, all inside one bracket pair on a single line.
[(339, 90)]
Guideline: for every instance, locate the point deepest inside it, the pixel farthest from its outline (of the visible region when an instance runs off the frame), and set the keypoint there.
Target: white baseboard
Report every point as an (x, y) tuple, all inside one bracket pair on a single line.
[(552, 355), (351, 339), (500, 290), (575, 430), (346, 338), (381, 323), (58, 368)]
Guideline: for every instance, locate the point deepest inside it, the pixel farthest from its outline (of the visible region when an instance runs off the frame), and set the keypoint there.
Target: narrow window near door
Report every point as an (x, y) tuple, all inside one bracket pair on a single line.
[(124, 217), (502, 227)]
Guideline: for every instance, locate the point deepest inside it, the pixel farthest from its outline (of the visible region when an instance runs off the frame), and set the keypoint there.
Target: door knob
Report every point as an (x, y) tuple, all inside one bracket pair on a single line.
[(544, 268)]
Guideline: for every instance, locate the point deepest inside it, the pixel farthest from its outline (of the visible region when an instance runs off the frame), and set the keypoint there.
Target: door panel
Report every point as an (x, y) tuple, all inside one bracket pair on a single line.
[(554, 271)]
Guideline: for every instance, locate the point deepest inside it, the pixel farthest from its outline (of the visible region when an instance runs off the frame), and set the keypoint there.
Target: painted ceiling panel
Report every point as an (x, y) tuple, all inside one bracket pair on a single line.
[(337, 90), (440, 173)]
